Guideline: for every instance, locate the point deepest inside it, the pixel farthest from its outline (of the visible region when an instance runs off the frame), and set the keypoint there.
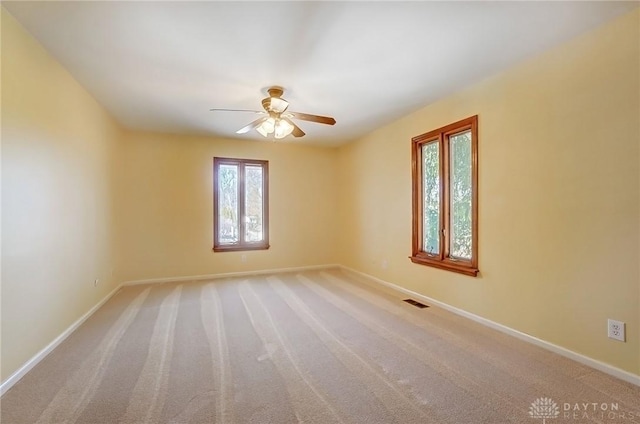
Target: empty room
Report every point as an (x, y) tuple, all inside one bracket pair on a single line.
[(320, 212)]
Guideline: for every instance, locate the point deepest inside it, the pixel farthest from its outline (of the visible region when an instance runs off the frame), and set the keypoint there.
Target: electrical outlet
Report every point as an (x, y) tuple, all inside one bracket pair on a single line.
[(95, 282), (385, 264), (243, 258), (616, 330)]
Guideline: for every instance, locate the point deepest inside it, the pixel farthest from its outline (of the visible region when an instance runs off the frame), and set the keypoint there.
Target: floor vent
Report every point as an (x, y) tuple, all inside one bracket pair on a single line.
[(416, 303)]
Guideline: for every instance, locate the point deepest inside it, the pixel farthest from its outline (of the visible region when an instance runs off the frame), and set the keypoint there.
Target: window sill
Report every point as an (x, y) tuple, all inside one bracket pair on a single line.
[(233, 248), (448, 266)]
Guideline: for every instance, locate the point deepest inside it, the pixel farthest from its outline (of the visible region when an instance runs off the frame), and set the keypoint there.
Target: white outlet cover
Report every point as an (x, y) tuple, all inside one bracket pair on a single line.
[(616, 330)]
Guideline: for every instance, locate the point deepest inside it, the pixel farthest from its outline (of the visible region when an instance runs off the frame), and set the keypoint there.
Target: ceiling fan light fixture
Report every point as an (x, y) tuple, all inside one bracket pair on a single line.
[(262, 131), (282, 129), (267, 127), (276, 120)]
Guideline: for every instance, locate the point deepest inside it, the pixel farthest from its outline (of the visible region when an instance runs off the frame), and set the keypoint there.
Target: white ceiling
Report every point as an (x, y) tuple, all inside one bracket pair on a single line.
[(161, 66)]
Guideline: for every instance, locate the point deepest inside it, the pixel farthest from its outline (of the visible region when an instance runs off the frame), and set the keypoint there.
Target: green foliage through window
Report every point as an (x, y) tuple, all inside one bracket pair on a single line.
[(431, 196), (445, 210), (240, 204), (461, 195)]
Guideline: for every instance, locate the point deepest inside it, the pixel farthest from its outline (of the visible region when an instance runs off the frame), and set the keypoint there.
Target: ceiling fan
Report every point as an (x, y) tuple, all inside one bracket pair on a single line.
[(277, 120)]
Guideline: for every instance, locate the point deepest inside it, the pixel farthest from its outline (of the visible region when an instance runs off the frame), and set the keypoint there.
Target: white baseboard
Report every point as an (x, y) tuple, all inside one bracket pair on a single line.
[(16, 376), (585, 360), (228, 274)]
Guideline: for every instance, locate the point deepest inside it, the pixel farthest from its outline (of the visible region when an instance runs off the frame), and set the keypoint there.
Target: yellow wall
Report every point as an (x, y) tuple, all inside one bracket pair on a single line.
[(166, 196), (58, 149), (559, 195)]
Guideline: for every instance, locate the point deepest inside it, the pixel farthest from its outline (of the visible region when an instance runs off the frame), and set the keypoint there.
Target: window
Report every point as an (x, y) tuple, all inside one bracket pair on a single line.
[(240, 204), (445, 197)]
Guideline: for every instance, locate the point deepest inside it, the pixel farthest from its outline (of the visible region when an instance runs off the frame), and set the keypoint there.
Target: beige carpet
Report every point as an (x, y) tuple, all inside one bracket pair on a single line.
[(316, 347)]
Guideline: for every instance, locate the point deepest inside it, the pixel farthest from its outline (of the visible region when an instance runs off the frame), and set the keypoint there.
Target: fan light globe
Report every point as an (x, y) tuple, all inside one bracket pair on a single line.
[(262, 131), (283, 129), (267, 127)]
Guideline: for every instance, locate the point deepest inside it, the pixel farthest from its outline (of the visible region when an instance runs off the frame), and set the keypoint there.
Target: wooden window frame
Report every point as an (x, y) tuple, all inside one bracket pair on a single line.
[(242, 245), (443, 260)]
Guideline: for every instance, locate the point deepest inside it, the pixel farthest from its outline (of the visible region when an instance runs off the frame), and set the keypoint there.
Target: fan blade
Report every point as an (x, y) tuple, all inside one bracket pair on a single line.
[(253, 125), (297, 132), (236, 110), (313, 118)]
